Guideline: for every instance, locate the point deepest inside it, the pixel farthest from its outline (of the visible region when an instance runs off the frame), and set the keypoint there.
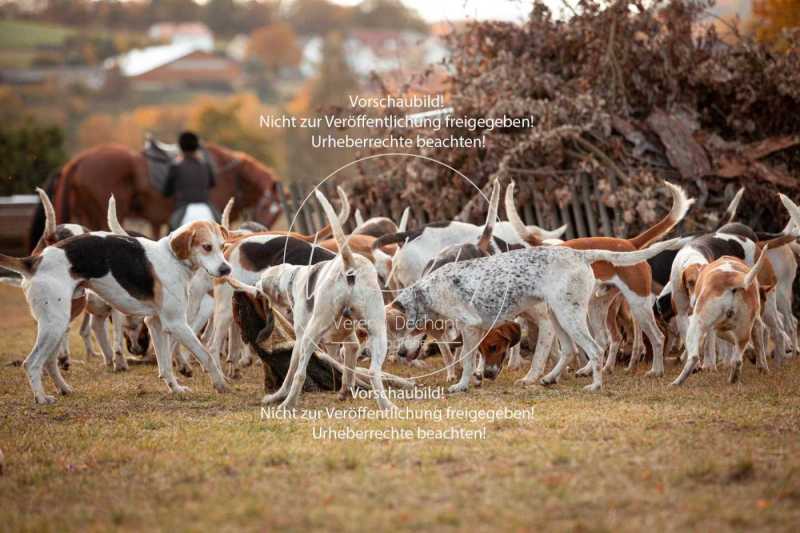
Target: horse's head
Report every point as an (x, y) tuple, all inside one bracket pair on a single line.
[(253, 183)]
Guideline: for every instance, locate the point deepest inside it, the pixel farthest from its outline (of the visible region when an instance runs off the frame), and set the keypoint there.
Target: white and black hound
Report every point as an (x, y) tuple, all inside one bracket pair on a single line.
[(137, 276)]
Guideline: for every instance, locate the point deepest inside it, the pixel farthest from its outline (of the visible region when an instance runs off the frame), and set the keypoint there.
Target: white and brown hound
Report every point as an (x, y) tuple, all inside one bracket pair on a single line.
[(329, 302)]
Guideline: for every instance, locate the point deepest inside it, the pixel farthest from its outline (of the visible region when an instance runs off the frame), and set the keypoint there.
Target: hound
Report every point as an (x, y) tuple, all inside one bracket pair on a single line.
[(136, 276), (129, 329), (735, 240), (329, 301), (725, 301), (634, 281), (249, 257), (52, 234), (411, 344), (488, 292), (424, 244), (380, 226)]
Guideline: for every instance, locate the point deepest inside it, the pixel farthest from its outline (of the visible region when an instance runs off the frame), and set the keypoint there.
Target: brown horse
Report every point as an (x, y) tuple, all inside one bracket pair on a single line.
[(91, 177)]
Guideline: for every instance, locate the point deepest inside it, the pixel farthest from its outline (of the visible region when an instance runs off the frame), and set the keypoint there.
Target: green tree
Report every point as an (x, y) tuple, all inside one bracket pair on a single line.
[(336, 79), (389, 15), (29, 153)]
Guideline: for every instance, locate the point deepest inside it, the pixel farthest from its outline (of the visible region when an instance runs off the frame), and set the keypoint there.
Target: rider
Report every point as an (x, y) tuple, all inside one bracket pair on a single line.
[(190, 179)]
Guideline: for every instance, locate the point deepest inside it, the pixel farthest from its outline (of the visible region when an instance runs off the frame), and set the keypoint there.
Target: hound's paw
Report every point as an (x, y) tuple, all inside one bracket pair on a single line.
[(653, 373), (458, 387), (180, 389), (288, 405), (763, 369), (708, 368), (524, 382), (66, 390), (344, 395), (221, 387), (584, 372), (675, 383), (120, 367), (387, 406), (594, 387), (275, 397), (547, 381), (45, 399)]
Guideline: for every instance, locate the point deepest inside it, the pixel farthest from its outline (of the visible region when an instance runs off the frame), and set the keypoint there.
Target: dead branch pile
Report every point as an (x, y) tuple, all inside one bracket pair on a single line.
[(626, 94)]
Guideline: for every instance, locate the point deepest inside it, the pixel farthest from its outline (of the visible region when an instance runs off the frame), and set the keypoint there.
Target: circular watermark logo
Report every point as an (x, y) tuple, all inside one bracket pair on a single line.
[(412, 331)]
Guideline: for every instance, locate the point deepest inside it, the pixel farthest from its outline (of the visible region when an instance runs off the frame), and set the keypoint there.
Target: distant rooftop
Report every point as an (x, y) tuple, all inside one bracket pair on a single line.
[(139, 61)]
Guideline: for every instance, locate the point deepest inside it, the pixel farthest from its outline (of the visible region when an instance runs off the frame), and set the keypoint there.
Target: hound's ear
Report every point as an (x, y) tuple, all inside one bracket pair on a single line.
[(515, 335), (224, 231), (181, 244), (689, 277)]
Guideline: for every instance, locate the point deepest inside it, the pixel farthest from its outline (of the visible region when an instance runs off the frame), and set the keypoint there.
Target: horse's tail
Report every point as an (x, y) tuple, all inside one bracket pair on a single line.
[(39, 219)]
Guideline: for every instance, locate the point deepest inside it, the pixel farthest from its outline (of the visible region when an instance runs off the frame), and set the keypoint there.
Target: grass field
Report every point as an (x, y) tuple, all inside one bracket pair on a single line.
[(27, 34), (121, 453)]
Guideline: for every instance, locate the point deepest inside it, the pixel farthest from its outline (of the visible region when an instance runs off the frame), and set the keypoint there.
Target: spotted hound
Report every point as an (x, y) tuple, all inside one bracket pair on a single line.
[(484, 293)]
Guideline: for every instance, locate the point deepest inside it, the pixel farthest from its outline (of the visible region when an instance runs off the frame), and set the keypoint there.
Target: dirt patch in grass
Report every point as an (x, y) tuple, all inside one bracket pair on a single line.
[(122, 453)]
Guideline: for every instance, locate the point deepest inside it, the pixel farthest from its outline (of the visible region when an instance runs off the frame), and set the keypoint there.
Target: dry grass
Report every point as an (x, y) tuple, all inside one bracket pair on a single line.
[(122, 453)]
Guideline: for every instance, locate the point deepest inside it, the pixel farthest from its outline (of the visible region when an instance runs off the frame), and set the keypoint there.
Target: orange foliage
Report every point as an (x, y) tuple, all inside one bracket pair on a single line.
[(771, 17), (275, 46)]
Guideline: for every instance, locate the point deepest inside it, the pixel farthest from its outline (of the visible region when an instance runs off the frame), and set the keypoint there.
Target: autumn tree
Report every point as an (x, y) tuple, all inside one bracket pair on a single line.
[(275, 47), (771, 17), (336, 79)]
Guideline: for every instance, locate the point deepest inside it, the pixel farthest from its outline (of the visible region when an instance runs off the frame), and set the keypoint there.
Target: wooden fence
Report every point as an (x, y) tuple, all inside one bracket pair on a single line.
[(585, 215), (16, 214)]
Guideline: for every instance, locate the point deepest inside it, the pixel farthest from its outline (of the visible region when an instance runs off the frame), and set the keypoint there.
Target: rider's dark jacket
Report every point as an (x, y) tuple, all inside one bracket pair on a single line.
[(189, 180)]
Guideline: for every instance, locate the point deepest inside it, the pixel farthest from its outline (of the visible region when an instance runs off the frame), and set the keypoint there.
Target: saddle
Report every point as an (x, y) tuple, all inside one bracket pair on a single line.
[(160, 155)]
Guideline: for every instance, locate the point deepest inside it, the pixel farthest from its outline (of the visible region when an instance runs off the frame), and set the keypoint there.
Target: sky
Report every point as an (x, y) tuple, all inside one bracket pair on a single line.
[(436, 10)]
